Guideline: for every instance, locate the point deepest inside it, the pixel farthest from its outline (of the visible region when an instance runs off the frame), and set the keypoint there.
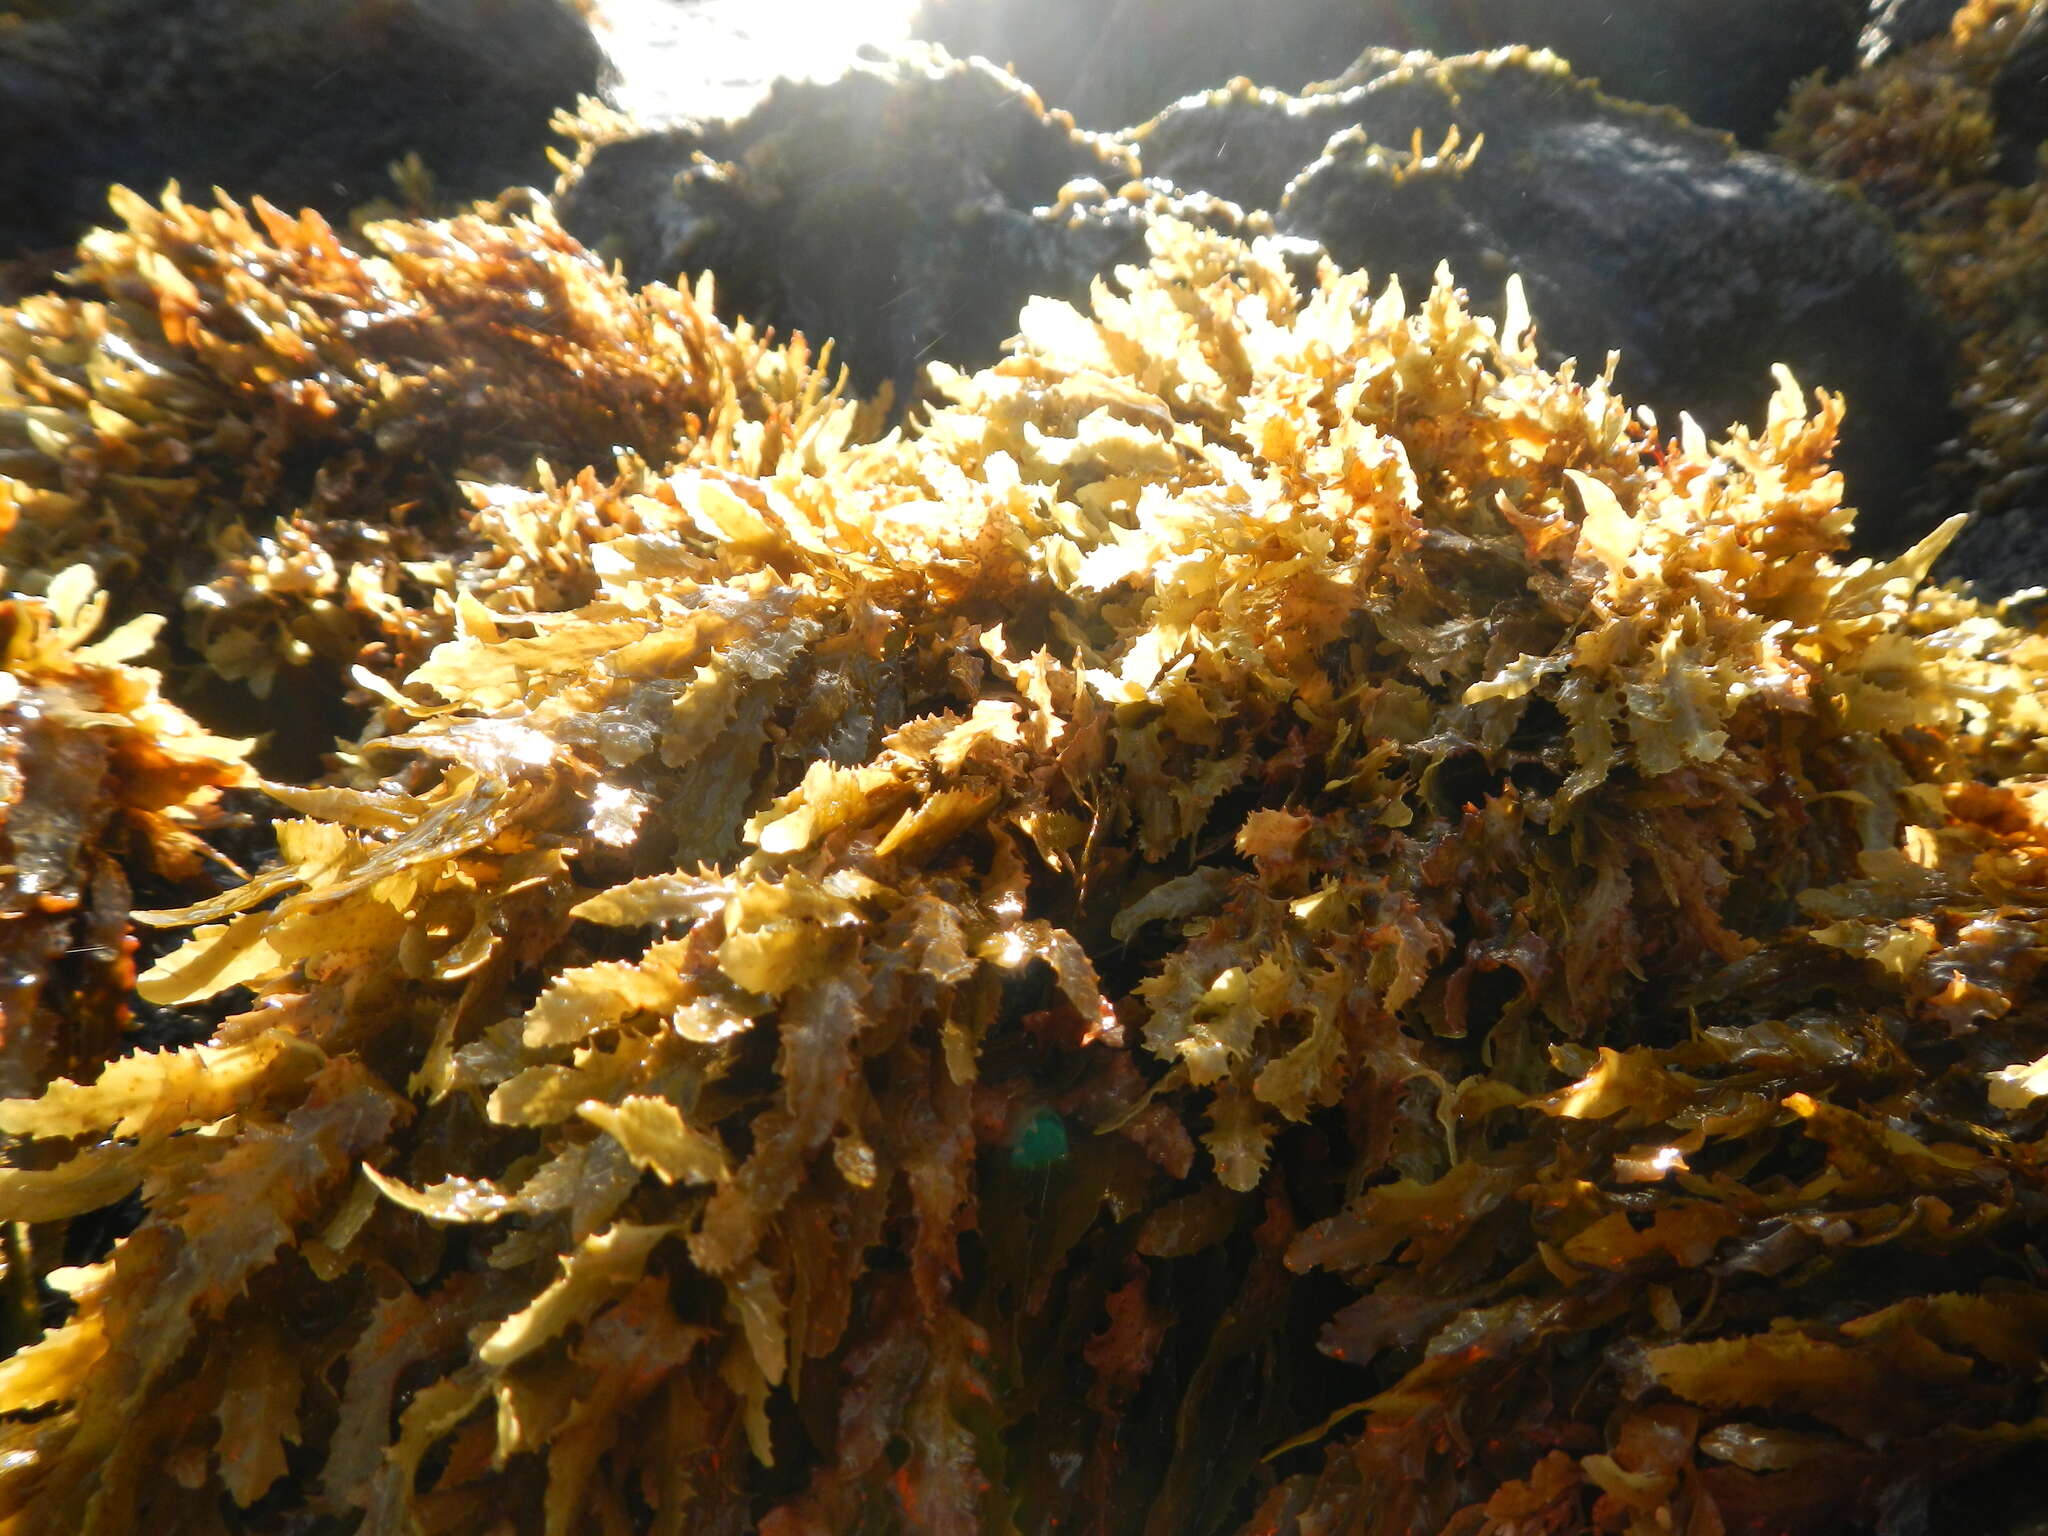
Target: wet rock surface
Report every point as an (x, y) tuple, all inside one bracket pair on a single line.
[(305, 102), (904, 211), (1728, 63), (2004, 552), (1631, 229), (1900, 24), (1248, 142), (1944, 139), (2019, 91)]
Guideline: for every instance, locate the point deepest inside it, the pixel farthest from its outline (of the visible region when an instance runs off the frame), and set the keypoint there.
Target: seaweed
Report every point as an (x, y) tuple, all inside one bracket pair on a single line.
[(1274, 916), (267, 426), (105, 785), (1630, 229)]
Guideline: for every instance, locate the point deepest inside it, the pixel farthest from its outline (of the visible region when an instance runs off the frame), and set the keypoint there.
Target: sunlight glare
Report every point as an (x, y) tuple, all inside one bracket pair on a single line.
[(714, 58)]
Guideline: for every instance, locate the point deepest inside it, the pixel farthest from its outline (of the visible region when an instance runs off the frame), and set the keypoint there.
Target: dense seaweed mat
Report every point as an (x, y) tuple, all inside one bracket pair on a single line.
[(1274, 918)]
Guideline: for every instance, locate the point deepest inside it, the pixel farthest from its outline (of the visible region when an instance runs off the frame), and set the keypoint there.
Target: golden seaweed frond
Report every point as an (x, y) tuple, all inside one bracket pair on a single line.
[(104, 783)]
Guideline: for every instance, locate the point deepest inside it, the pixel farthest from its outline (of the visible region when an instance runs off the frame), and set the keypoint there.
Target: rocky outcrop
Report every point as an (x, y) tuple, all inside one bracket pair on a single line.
[(1728, 63), (2019, 91), (1895, 25), (304, 102), (1944, 138)]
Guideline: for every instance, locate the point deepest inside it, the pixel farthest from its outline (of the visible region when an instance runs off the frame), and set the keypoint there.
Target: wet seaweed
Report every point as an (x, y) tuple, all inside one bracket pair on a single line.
[(1273, 917)]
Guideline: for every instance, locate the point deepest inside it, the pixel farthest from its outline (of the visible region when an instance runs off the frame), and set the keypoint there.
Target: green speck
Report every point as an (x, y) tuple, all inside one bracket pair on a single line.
[(1041, 1143)]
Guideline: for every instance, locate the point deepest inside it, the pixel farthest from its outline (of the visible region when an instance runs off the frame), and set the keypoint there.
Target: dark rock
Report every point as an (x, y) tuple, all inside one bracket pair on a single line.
[(2005, 547), (1115, 64), (1728, 63), (305, 102), (2019, 92), (1248, 143), (1703, 264), (1896, 25), (2000, 553), (904, 211)]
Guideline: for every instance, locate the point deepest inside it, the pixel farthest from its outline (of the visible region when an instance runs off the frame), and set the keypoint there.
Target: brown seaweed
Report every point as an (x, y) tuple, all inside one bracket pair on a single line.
[(1630, 230), (267, 427)]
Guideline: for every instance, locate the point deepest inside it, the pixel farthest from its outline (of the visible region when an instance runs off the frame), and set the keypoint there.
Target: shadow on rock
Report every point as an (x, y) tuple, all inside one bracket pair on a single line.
[(304, 102)]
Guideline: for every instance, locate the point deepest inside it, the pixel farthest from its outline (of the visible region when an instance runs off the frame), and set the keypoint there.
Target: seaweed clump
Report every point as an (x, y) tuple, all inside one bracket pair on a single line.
[(1630, 229), (1275, 917), (910, 207), (103, 784), (270, 426)]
